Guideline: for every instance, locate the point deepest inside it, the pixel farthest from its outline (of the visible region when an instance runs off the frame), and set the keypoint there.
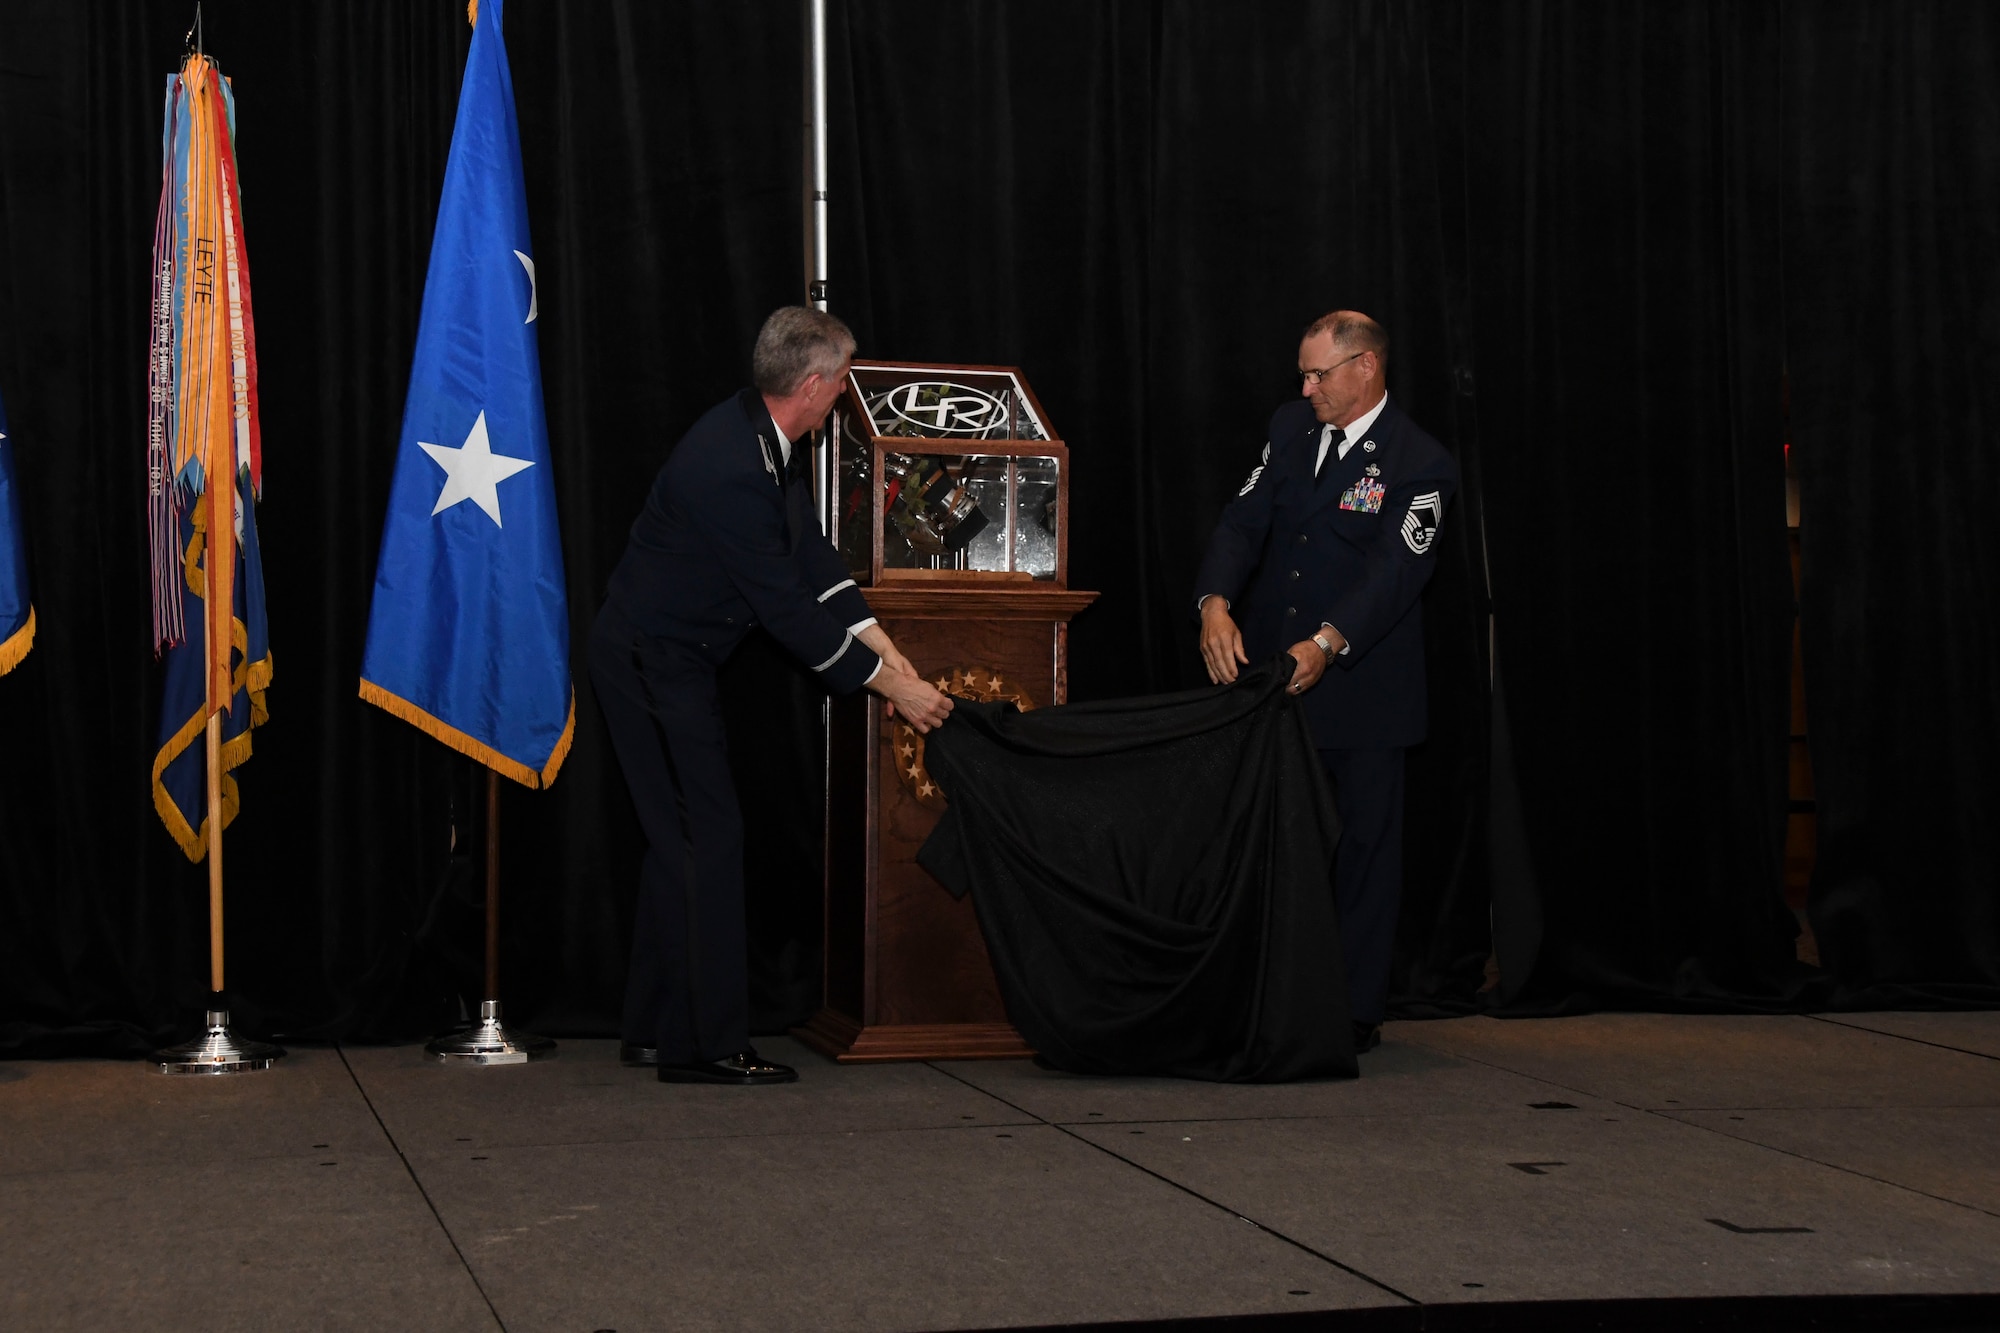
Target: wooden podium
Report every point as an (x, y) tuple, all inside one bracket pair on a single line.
[(954, 504)]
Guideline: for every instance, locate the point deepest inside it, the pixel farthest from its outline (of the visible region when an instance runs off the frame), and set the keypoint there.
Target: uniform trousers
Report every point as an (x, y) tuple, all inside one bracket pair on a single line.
[(1367, 870), (688, 990)]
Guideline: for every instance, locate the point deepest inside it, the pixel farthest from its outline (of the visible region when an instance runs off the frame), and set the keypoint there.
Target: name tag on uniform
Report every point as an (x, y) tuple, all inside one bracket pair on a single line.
[(1364, 496)]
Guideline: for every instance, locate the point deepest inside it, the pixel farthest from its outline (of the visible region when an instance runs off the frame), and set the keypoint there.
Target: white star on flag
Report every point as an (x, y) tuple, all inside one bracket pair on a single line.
[(473, 471)]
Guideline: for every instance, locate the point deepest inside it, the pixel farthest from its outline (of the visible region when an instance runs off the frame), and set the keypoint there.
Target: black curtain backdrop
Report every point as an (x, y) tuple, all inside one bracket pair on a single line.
[(1567, 215), (1892, 286), (1622, 239)]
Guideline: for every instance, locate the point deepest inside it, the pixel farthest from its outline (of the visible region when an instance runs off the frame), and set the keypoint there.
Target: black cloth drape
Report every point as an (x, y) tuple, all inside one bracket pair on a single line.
[(1154, 879), (1892, 284), (1566, 214)]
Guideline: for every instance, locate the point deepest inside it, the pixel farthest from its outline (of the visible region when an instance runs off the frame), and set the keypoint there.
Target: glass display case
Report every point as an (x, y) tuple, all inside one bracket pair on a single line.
[(948, 473)]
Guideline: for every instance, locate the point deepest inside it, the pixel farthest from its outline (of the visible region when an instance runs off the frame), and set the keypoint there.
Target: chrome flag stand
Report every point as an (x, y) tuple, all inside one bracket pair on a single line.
[(217, 1050), (489, 1041)]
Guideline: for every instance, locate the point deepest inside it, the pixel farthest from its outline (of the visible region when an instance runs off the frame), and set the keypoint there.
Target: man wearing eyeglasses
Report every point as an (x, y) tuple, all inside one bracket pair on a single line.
[(1322, 553)]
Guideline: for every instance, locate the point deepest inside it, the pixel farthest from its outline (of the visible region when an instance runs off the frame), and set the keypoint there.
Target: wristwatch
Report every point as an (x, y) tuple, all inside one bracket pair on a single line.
[(1324, 647)]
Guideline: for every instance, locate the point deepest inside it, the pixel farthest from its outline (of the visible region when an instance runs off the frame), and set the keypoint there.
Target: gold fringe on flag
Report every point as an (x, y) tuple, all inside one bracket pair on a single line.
[(477, 749), (17, 645), (255, 677)]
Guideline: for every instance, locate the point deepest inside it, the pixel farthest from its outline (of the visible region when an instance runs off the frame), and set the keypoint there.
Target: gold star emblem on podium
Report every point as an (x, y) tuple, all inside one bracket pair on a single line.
[(978, 684)]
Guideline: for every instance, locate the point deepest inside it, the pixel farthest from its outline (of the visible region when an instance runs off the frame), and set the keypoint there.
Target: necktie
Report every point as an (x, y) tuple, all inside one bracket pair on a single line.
[(1332, 452)]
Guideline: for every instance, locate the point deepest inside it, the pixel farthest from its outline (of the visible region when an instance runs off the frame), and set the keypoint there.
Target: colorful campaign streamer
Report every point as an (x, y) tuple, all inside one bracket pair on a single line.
[(204, 456), (17, 613), (468, 633)]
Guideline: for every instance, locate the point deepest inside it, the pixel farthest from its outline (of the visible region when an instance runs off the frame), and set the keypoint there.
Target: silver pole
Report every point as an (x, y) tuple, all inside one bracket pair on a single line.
[(815, 99), (826, 443), (816, 109)]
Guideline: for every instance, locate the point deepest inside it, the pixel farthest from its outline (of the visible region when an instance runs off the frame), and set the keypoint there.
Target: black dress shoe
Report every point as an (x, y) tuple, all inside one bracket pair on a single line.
[(1367, 1036), (744, 1067), (637, 1056)]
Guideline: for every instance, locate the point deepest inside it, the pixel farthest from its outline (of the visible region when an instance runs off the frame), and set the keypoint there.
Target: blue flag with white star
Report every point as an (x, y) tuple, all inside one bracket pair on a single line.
[(468, 634), (17, 613)]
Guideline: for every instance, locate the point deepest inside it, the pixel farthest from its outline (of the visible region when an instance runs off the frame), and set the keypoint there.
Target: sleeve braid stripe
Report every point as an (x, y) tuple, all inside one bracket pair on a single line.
[(846, 642)]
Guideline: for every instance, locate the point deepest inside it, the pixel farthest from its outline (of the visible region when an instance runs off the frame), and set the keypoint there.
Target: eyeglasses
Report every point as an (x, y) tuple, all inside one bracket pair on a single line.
[(1315, 376)]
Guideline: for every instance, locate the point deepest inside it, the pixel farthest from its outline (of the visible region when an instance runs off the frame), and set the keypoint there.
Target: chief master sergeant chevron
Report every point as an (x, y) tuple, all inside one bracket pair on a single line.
[(727, 540), (1323, 553)]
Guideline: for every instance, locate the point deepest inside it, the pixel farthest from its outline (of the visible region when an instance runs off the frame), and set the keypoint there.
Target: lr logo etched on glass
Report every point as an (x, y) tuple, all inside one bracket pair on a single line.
[(940, 409)]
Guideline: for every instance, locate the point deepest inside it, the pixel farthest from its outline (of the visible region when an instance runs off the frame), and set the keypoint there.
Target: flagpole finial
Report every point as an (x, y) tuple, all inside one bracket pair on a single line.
[(472, 12)]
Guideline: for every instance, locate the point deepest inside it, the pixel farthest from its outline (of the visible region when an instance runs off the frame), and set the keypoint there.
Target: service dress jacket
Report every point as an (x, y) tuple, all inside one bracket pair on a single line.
[(1352, 550), (728, 540)]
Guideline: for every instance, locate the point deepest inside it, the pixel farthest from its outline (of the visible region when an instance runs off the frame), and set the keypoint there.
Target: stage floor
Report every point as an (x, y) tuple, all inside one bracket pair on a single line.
[(1476, 1160)]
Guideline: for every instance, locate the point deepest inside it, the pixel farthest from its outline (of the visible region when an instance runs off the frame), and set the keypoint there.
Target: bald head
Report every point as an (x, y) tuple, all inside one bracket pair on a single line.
[(1343, 359), (1353, 332)]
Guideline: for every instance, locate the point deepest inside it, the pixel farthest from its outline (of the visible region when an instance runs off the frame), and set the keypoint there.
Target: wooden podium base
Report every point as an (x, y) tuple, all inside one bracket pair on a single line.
[(850, 1043), (907, 974)]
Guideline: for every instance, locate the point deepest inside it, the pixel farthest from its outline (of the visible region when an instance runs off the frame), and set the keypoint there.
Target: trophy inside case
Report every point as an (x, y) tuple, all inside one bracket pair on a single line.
[(948, 472)]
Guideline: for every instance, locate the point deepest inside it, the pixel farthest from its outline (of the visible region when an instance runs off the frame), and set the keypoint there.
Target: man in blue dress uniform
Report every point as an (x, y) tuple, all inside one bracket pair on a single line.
[(1323, 552), (728, 540)]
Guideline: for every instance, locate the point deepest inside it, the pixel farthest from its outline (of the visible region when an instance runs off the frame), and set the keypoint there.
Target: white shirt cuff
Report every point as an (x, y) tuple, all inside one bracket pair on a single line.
[(1344, 644), (876, 672), (860, 625)]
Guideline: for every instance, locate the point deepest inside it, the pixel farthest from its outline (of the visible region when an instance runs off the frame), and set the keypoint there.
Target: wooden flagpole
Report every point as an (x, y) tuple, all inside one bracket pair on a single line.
[(492, 885), (215, 851), (490, 1041), (218, 1050)]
